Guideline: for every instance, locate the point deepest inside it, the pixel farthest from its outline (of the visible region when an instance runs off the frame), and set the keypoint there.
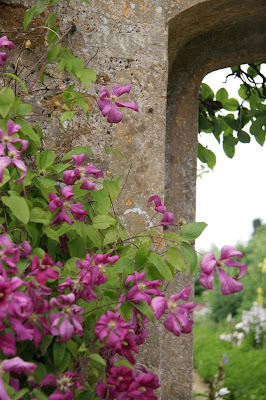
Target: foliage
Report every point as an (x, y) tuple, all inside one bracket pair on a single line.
[(232, 128), (209, 350)]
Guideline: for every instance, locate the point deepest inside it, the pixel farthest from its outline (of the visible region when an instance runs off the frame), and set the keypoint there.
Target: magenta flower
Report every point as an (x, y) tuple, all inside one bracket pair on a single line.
[(158, 203), (42, 270), (8, 344), (6, 141), (6, 43), (209, 264), (71, 176), (7, 290), (67, 322), (125, 347), (3, 57), (142, 289), (9, 256), (143, 387), (119, 379), (65, 385), (167, 218), (111, 325), (178, 313), (17, 366), (13, 158), (108, 103), (10, 155), (82, 287), (66, 206)]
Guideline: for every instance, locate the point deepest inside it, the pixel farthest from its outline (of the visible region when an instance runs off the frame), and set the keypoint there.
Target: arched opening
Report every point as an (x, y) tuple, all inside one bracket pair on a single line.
[(204, 37)]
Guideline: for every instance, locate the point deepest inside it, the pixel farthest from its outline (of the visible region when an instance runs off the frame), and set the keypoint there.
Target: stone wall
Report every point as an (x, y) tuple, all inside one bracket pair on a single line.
[(162, 48)]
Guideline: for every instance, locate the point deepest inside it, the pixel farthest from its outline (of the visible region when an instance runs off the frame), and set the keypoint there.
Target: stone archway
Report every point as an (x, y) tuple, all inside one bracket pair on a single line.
[(205, 36)]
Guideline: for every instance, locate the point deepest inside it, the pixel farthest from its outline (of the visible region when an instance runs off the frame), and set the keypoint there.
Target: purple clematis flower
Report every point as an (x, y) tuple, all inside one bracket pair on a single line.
[(158, 203), (209, 264), (17, 366), (80, 172), (9, 255), (108, 103), (67, 322), (42, 270), (10, 155), (167, 218), (6, 43), (65, 385), (178, 313), (142, 289), (65, 206), (3, 57), (112, 325)]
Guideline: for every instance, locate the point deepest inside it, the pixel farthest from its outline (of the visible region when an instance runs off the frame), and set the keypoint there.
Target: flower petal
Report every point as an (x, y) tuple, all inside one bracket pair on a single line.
[(119, 90), (229, 285), (158, 305), (128, 104), (114, 116), (228, 251)]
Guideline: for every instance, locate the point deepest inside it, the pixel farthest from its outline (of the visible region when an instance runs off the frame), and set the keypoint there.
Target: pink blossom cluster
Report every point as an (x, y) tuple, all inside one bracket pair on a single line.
[(9, 154), (4, 42), (167, 215)]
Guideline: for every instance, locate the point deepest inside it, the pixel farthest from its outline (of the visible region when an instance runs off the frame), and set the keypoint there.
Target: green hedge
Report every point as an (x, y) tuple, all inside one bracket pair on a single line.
[(245, 373)]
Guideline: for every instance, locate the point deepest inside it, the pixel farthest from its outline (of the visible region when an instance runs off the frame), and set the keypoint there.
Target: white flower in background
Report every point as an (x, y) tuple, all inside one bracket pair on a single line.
[(222, 392), (254, 321)]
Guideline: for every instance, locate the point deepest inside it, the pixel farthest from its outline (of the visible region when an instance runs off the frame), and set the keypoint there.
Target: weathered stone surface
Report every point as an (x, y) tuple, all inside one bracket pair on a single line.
[(163, 48)]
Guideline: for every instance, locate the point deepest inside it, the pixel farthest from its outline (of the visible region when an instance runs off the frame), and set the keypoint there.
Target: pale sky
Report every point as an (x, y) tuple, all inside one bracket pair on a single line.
[(232, 196)]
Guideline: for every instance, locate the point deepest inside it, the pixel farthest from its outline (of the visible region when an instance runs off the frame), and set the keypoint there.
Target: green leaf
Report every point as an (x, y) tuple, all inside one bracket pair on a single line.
[(7, 98), (206, 91), (68, 115), (160, 265), (28, 17), (96, 357), (27, 130), (87, 394), (39, 394), (94, 236), (76, 247), (53, 53), (48, 158), (222, 95), (174, 257), (103, 221), (145, 309), (73, 348), (229, 143), (258, 130), (59, 351), (110, 235), (23, 109), (243, 137), (77, 151), (142, 253), (86, 77), (50, 233), (206, 156), (190, 257), (65, 362), (102, 201), (22, 84), (20, 394), (125, 265), (38, 215), (231, 105), (6, 177), (18, 207), (109, 150), (112, 189), (192, 231)]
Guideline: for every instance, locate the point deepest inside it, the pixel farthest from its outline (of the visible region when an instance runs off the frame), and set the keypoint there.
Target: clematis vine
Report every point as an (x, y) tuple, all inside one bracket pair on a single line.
[(43, 270), (112, 325), (178, 313), (65, 385), (80, 173), (209, 264), (108, 103), (142, 289), (167, 215), (9, 45), (67, 322), (66, 206)]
